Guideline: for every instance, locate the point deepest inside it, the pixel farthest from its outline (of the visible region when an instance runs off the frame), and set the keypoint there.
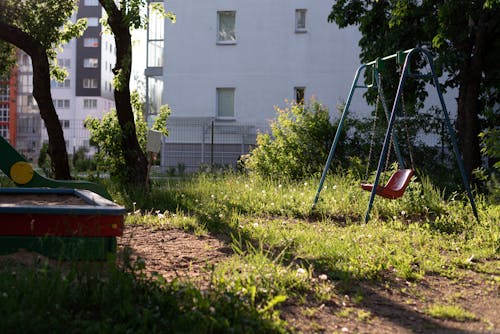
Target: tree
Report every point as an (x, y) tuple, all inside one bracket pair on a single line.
[(39, 28), (462, 33), (122, 16)]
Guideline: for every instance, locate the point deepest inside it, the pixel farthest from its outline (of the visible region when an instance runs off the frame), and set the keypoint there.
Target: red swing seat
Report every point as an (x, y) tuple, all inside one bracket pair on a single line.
[(396, 185)]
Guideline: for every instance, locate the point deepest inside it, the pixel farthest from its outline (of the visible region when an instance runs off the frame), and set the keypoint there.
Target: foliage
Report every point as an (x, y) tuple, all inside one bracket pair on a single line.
[(58, 300), (491, 149), (44, 160), (160, 123), (47, 22), (106, 135), (463, 35), (7, 58), (298, 144), (284, 257), (451, 312), (276, 237)]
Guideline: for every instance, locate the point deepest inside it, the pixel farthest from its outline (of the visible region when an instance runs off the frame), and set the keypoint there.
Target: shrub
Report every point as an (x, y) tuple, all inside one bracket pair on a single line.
[(298, 144), (106, 134), (491, 148)]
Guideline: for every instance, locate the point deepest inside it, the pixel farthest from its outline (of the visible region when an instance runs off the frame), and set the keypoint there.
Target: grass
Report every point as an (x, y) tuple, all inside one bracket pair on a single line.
[(283, 253), (450, 312)]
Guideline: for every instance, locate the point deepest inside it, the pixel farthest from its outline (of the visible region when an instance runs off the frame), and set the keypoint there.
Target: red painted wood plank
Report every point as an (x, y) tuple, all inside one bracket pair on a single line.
[(60, 225)]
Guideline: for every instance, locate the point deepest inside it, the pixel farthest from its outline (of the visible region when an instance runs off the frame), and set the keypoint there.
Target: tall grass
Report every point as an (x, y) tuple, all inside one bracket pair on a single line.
[(283, 253)]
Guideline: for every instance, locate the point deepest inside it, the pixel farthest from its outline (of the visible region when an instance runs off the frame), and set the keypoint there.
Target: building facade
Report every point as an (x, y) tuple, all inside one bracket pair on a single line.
[(86, 91), (228, 63), (8, 115)]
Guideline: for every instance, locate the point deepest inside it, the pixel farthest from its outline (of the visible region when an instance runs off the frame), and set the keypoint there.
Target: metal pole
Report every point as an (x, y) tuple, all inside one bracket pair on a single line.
[(212, 147), (390, 126), (338, 133), (454, 141)]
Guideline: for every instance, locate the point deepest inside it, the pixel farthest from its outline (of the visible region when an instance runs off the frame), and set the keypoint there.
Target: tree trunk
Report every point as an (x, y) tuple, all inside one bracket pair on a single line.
[(134, 156), (469, 104), (43, 96)]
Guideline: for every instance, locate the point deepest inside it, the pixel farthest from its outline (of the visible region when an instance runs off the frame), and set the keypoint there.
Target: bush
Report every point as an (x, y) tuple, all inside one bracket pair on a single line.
[(491, 148), (298, 145), (106, 134)]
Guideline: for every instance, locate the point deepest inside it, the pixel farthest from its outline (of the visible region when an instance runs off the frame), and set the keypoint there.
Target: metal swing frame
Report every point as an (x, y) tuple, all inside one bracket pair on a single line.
[(402, 57)]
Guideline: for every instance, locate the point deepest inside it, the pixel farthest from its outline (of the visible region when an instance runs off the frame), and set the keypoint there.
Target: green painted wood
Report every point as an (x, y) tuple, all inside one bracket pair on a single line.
[(10, 156)]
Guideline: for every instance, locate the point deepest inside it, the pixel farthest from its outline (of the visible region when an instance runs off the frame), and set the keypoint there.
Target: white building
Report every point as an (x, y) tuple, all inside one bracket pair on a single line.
[(228, 63), (86, 91)]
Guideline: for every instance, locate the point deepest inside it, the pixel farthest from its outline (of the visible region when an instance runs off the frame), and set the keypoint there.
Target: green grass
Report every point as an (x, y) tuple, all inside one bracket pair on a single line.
[(283, 253), (450, 312)]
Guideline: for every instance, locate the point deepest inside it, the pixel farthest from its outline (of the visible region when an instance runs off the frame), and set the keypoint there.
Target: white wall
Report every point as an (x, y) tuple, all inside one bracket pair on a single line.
[(267, 62)]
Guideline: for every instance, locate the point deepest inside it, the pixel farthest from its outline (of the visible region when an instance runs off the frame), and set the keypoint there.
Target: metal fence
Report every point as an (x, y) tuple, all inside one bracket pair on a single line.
[(197, 142)]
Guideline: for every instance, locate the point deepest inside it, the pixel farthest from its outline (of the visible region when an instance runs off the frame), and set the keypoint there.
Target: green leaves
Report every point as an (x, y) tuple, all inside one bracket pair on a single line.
[(48, 22), (300, 140)]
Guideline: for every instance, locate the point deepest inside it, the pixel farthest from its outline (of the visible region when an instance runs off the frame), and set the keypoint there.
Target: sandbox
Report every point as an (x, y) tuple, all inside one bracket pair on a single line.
[(59, 223)]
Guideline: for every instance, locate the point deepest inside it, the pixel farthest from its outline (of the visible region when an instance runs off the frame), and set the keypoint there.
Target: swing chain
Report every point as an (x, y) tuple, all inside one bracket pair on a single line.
[(405, 115), (374, 126)]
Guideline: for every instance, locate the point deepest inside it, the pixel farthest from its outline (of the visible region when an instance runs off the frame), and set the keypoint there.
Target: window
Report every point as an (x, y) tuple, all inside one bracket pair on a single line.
[(90, 83), (92, 21), (90, 62), (300, 20), (64, 62), (61, 104), (91, 42), (90, 103), (64, 123), (226, 27), (56, 84), (90, 2), (225, 102), (299, 93)]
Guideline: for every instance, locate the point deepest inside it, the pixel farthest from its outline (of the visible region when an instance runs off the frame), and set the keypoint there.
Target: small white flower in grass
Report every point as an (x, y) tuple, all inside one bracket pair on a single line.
[(334, 187), (255, 224), (301, 272), (323, 277), (305, 184), (161, 215), (212, 196), (279, 186), (403, 213), (212, 309)]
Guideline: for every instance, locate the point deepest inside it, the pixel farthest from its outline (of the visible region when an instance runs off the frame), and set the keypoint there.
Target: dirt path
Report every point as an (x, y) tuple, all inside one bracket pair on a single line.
[(389, 306)]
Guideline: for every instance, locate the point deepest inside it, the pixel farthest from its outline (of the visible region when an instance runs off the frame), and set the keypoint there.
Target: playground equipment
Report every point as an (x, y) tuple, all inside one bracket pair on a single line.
[(59, 219), (398, 182), (15, 166)]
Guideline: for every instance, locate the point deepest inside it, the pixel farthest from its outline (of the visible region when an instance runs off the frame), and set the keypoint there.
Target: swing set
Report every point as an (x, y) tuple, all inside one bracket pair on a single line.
[(398, 182)]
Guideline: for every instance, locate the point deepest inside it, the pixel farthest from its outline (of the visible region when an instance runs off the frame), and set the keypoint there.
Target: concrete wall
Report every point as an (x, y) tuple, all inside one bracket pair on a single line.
[(267, 61)]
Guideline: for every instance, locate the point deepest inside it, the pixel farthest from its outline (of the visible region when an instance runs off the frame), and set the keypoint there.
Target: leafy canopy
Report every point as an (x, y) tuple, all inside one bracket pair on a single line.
[(47, 21)]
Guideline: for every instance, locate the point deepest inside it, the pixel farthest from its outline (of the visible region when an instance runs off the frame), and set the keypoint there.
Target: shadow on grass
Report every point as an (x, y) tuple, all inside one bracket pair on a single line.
[(39, 298)]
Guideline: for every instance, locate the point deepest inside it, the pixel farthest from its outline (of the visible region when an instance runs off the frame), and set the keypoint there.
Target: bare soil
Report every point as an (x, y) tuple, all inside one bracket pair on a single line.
[(386, 306), (389, 305)]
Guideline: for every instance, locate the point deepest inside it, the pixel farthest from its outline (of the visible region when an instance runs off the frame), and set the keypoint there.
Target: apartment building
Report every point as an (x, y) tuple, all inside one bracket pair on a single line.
[(86, 91), (227, 63), (8, 119)]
